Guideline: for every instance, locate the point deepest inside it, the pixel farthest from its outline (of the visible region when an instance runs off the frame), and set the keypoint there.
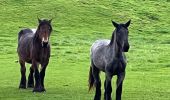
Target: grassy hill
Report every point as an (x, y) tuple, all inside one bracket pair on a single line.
[(77, 24)]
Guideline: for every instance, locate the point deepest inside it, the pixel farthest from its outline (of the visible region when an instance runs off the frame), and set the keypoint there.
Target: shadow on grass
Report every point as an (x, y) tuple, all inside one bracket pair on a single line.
[(64, 93)]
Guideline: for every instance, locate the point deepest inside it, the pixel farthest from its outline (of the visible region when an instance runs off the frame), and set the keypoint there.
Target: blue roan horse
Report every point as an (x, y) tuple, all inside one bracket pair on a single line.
[(108, 56)]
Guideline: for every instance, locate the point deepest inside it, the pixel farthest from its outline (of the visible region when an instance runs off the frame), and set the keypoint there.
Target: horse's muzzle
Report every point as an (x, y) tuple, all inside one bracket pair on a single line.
[(126, 48), (44, 44)]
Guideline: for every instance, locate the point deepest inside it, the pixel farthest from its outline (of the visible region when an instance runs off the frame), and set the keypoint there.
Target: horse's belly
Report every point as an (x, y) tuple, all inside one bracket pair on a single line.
[(97, 54), (98, 60), (99, 64), (24, 51), (25, 57)]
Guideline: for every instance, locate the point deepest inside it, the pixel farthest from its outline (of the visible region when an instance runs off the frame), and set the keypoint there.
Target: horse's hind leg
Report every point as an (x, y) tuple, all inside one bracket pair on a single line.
[(23, 76), (30, 83), (96, 76)]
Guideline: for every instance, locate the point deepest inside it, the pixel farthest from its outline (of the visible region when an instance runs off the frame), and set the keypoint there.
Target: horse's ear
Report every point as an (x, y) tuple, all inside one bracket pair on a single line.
[(50, 20), (39, 20), (114, 24), (128, 23)]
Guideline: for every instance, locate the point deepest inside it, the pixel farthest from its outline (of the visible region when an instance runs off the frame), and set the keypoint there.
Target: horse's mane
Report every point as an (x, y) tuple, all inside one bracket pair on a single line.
[(112, 38)]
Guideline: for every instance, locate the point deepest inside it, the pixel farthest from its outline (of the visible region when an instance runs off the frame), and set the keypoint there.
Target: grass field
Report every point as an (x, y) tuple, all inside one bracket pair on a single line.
[(77, 24)]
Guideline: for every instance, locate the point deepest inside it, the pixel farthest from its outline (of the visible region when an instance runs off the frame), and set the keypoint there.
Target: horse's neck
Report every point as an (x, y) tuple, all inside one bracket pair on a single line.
[(114, 48), (113, 44), (113, 38), (36, 41)]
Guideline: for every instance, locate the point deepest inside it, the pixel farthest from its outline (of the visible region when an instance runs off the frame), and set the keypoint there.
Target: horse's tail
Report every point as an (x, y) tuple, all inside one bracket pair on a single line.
[(91, 79)]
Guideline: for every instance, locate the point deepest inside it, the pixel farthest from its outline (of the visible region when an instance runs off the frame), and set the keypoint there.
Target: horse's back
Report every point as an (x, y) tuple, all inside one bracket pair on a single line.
[(25, 32), (99, 43), (25, 37), (97, 51)]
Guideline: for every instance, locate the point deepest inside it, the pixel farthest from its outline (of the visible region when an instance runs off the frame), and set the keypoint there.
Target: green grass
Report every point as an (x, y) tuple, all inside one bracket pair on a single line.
[(77, 24)]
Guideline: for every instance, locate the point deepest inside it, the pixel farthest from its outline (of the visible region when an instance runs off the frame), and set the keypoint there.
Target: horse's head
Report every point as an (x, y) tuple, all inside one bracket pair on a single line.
[(44, 30), (122, 35)]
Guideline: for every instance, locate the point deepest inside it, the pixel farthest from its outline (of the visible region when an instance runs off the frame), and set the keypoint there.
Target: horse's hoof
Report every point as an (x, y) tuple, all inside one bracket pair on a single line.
[(21, 86), (43, 89), (30, 86), (38, 90)]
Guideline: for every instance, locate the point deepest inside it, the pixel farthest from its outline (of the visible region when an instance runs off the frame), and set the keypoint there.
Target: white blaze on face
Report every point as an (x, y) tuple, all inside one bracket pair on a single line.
[(45, 40)]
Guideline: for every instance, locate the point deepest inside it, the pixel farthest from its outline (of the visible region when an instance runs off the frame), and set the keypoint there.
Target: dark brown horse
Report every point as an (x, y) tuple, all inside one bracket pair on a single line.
[(34, 48)]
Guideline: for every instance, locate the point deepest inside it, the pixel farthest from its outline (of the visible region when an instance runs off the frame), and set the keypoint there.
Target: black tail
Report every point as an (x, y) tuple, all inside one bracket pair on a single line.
[(91, 79)]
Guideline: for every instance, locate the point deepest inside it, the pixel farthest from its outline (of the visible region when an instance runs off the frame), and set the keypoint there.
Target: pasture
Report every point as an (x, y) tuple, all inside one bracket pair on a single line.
[(76, 25)]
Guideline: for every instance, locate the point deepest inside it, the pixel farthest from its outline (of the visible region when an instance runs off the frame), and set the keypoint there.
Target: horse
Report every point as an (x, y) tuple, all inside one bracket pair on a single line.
[(34, 48), (108, 56)]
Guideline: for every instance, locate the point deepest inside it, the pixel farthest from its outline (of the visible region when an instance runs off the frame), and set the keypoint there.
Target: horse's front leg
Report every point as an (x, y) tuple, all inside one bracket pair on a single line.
[(37, 87), (120, 78), (108, 87), (42, 74)]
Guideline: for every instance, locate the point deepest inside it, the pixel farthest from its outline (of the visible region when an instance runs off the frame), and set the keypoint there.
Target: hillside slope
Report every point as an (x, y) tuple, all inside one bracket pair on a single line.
[(77, 24)]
